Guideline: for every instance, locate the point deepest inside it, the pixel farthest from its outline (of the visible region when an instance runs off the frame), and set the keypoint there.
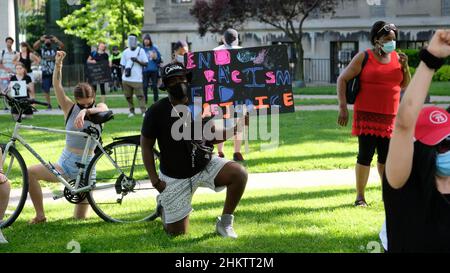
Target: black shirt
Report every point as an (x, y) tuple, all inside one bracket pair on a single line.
[(418, 215), (27, 79), (26, 62), (175, 161), (28, 111), (100, 57)]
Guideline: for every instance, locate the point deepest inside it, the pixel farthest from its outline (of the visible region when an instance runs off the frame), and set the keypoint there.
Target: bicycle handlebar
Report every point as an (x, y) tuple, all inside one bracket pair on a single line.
[(33, 101)]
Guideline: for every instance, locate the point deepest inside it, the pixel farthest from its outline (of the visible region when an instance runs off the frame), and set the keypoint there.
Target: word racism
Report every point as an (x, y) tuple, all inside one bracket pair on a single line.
[(257, 78)]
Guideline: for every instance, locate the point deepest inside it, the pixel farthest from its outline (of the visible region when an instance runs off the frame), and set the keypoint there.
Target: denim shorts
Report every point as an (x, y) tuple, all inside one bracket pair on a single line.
[(47, 83), (67, 162)]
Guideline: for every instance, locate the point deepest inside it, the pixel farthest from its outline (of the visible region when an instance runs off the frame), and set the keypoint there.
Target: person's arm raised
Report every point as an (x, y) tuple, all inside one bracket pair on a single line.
[(352, 70), (401, 148), (36, 59), (63, 100)]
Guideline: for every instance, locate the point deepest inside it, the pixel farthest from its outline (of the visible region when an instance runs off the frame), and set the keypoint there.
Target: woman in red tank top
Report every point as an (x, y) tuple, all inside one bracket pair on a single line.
[(381, 80)]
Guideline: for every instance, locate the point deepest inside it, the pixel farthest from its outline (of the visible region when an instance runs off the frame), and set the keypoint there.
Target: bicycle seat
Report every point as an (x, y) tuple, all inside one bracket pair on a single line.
[(100, 118)]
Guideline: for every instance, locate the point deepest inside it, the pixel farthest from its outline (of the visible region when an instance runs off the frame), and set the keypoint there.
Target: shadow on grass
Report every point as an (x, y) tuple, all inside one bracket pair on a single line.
[(97, 236), (301, 196)]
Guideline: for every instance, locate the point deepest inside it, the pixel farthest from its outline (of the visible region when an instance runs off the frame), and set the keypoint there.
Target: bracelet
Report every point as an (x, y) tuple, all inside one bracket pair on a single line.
[(430, 60), (159, 182)]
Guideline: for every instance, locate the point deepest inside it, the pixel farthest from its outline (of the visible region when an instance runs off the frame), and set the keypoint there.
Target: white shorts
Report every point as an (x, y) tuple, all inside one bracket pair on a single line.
[(177, 196)]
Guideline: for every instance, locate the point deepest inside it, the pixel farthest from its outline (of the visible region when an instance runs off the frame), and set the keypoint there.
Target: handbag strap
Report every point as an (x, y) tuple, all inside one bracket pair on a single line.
[(366, 58)]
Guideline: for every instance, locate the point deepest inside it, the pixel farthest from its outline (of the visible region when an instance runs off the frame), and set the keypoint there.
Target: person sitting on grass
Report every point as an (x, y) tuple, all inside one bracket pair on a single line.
[(416, 186), (180, 175), (74, 114), (5, 189), (21, 75)]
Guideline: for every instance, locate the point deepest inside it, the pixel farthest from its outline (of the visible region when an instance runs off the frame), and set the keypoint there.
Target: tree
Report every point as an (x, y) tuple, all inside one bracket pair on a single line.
[(32, 22), (105, 21), (286, 15)]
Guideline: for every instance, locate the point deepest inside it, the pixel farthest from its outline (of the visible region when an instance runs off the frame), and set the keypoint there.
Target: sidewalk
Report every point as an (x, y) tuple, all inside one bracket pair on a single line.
[(259, 181)]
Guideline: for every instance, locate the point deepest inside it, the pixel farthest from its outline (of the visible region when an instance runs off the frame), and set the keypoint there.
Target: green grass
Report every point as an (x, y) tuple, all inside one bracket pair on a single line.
[(313, 220), (307, 141), (112, 102), (437, 89), (316, 102), (440, 89)]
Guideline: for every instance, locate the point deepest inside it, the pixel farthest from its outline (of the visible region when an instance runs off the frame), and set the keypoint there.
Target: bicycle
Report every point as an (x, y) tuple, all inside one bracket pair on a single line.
[(114, 182)]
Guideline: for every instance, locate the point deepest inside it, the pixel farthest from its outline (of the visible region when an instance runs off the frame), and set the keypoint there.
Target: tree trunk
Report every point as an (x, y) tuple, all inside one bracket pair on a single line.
[(299, 68)]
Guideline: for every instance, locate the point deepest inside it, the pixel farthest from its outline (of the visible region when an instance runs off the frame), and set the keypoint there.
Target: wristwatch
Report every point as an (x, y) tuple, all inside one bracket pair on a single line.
[(430, 60)]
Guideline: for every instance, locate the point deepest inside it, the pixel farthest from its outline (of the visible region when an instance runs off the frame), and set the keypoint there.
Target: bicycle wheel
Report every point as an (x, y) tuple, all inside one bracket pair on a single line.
[(15, 169), (122, 194)]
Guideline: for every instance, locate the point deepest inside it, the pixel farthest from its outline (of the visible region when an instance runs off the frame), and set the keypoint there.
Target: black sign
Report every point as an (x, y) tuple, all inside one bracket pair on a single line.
[(99, 72), (257, 77)]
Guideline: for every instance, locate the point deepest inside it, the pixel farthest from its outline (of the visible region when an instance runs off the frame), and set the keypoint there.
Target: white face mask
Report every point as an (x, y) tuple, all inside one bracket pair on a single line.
[(179, 58)]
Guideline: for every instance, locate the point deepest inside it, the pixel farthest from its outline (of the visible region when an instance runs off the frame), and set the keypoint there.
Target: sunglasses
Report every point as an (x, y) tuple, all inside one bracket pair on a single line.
[(388, 28)]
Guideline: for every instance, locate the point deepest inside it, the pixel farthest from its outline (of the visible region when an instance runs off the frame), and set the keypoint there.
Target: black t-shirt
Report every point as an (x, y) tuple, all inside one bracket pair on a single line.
[(28, 111), (418, 215), (175, 161), (100, 57), (27, 79)]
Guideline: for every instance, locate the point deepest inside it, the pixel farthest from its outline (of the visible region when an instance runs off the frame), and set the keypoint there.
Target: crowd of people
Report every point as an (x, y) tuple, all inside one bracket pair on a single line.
[(412, 141)]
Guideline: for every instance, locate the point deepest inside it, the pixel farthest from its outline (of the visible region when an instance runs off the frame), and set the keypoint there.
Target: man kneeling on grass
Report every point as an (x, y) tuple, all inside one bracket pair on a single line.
[(182, 168)]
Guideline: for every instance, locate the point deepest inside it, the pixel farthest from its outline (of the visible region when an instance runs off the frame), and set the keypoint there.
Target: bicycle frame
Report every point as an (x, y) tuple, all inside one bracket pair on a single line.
[(75, 189)]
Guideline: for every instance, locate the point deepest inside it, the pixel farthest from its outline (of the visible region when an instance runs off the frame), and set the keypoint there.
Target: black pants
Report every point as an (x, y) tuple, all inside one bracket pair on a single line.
[(367, 146), (153, 76), (102, 88)]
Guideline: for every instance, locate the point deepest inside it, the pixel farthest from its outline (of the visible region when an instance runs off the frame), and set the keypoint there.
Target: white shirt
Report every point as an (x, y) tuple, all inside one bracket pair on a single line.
[(221, 47), (7, 61), (136, 71)]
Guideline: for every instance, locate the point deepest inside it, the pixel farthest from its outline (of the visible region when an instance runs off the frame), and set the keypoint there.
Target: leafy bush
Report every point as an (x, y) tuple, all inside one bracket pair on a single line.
[(443, 74)]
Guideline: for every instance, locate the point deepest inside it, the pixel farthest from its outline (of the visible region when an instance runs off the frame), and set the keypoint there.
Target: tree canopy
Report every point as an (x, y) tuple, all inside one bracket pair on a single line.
[(287, 16), (105, 21)]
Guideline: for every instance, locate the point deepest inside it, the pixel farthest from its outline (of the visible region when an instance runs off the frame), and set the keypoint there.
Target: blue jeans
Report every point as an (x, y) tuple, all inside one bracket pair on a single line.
[(153, 76)]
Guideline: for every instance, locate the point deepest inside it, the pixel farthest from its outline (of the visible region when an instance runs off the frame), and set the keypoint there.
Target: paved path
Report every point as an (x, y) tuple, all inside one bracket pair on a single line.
[(287, 180)]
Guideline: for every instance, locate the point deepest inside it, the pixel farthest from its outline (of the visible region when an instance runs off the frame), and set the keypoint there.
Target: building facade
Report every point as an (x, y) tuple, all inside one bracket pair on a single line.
[(329, 41), (7, 21)]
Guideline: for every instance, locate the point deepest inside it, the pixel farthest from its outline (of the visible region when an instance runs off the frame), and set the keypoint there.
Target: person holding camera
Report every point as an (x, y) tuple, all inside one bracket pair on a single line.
[(46, 45), (186, 164), (133, 60), (416, 186)]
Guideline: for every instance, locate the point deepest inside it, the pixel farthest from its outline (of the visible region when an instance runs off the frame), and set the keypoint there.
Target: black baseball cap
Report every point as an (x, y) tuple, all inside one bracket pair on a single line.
[(174, 69), (230, 35)]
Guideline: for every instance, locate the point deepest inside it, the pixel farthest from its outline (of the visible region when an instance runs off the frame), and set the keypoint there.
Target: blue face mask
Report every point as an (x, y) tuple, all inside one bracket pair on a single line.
[(389, 47), (443, 164)]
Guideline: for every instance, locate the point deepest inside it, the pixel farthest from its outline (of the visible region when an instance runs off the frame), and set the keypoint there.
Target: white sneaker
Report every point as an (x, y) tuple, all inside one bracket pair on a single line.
[(224, 226), (2, 238), (130, 115)]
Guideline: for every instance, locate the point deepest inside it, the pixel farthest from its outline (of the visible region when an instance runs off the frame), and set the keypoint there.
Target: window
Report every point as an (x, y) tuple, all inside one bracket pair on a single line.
[(445, 7), (181, 1), (411, 44), (378, 9)]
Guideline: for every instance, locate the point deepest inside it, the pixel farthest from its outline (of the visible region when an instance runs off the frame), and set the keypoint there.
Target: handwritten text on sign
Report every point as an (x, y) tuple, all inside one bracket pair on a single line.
[(257, 77), (99, 72)]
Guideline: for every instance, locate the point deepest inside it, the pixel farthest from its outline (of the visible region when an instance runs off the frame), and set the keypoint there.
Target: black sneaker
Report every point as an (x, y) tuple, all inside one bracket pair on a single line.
[(238, 157)]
